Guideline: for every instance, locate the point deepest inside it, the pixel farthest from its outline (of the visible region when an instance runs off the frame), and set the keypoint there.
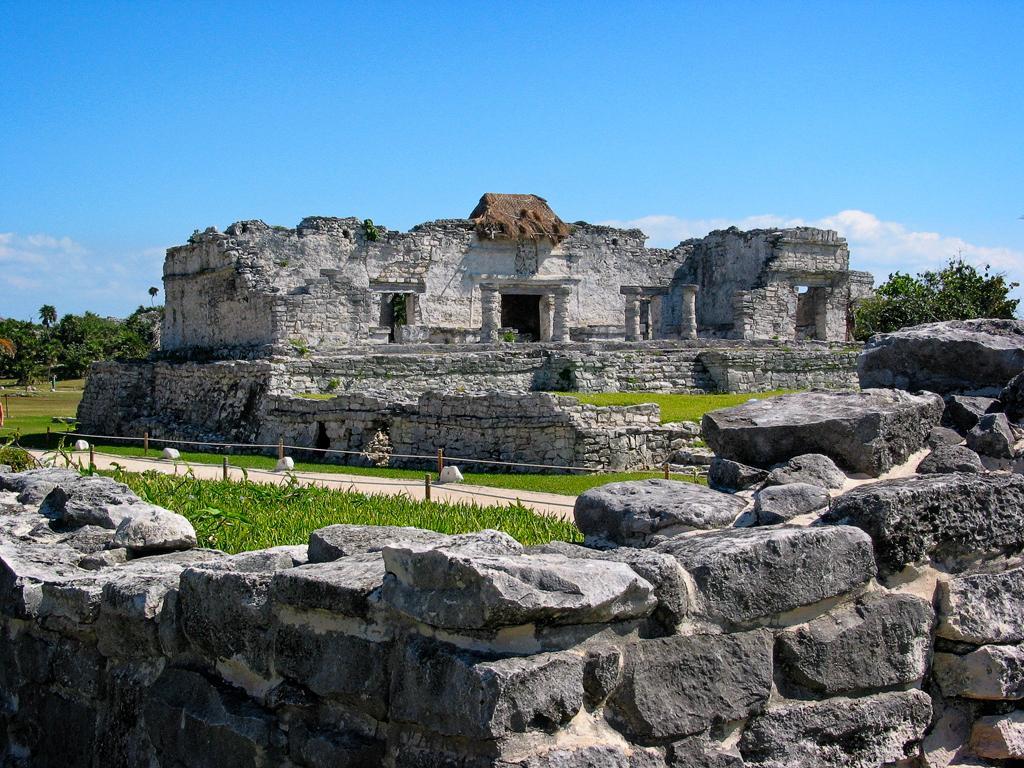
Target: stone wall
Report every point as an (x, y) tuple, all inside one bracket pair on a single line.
[(532, 428)]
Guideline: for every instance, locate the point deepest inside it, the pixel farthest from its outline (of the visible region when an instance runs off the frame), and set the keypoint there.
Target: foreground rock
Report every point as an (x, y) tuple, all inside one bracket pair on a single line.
[(840, 733), (748, 575), (810, 468), (950, 458), (932, 356), (993, 673), (34, 485), (152, 529), (964, 411), (779, 503), (89, 501), (1012, 398), (870, 431), (992, 436), (632, 513), (727, 475), (983, 608), (999, 737), (952, 519), (335, 541)]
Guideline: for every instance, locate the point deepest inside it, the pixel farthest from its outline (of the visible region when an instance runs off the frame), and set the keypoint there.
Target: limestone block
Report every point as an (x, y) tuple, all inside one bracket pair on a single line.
[(171, 454), (701, 752), (881, 641), (999, 737), (450, 474), (727, 475), (950, 458), (993, 672), (149, 529), (342, 540), (81, 445), (678, 686), (982, 608), (636, 511), (286, 464), (343, 586), (992, 436), (980, 513), (89, 501), (748, 575), (34, 485), (779, 503), (811, 468), (963, 411)]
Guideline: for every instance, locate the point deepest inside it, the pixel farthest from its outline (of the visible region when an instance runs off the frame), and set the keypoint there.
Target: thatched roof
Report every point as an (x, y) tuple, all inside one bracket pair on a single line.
[(518, 217)]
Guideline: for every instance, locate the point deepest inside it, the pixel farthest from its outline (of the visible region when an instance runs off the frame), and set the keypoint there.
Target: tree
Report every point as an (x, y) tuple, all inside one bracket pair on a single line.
[(48, 314), (153, 291), (957, 292)]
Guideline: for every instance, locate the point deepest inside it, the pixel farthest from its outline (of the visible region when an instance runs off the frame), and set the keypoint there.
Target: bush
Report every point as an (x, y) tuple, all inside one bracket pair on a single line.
[(18, 459)]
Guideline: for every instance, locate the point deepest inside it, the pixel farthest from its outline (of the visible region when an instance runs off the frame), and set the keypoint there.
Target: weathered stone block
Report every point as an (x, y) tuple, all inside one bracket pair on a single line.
[(149, 529), (342, 586), (993, 672), (950, 458), (810, 468), (336, 541), (678, 686), (999, 737), (992, 436), (869, 431), (982, 608), (90, 501), (745, 576), (883, 640), (779, 503), (727, 475)]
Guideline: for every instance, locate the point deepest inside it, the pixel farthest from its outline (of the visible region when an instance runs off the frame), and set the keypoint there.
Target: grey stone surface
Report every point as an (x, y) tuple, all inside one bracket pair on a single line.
[(992, 672), (33, 486), (838, 733), (679, 686), (90, 501), (779, 503), (151, 529), (932, 356), (454, 587), (635, 511), (992, 437), (869, 431), (949, 518), (999, 737), (950, 458), (336, 541), (727, 475), (343, 586), (881, 641), (748, 575), (982, 608), (963, 411), (811, 468), (943, 436), (701, 752), (484, 698), (1012, 398)]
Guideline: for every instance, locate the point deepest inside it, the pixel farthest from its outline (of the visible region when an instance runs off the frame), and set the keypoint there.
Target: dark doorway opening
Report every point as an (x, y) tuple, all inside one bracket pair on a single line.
[(522, 312), (323, 442), (394, 312)]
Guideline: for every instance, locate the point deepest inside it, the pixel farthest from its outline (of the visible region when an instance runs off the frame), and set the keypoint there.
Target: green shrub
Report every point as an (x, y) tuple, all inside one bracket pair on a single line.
[(18, 459)]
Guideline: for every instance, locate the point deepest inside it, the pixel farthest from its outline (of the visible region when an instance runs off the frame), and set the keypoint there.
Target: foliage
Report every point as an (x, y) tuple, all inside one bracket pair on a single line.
[(67, 348), (957, 292), (48, 315), (300, 345), (17, 458), (240, 516), (370, 230)]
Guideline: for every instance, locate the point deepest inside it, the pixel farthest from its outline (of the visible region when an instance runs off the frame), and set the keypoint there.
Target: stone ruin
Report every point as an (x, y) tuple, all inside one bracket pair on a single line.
[(823, 606), (511, 270)]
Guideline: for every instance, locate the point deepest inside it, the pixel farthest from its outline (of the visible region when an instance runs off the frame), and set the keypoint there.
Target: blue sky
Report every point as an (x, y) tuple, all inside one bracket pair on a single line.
[(126, 126)]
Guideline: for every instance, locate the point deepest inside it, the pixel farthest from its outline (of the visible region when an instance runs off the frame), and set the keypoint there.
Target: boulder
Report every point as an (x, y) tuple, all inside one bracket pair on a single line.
[(701, 752), (941, 436), (870, 431), (1012, 398), (343, 540), (90, 501), (81, 445), (285, 464), (748, 575), (883, 640), (992, 436), (632, 513), (450, 474), (950, 518), (999, 737), (963, 411), (33, 485), (932, 356), (171, 454), (727, 475), (679, 686), (838, 733), (779, 503), (811, 468), (454, 587), (484, 698), (150, 529), (342, 586), (982, 608), (950, 458), (991, 673)]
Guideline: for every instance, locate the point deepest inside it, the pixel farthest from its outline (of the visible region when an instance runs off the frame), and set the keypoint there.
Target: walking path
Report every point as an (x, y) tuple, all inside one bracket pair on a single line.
[(552, 504)]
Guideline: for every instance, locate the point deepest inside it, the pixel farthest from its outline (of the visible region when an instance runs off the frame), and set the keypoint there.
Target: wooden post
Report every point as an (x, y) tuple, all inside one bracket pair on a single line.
[(666, 470), (92, 456), (280, 449), (426, 486), (440, 461), (145, 443), (224, 467)]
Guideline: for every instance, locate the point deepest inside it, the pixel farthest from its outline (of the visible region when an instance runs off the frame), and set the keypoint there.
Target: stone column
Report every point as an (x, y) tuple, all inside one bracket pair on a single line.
[(490, 312), (632, 316), (688, 317), (560, 314)]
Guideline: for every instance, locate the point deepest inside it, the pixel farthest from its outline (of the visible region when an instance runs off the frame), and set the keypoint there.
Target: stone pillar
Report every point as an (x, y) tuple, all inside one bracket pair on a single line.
[(547, 310), (632, 316), (490, 312), (560, 314), (688, 316)]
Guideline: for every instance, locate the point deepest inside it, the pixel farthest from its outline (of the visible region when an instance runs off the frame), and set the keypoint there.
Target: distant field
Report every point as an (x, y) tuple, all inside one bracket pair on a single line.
[(673, 407)]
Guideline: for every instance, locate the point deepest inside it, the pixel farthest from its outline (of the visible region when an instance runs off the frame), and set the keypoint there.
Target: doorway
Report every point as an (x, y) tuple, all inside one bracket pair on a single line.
[(394, 312), (522, 312)]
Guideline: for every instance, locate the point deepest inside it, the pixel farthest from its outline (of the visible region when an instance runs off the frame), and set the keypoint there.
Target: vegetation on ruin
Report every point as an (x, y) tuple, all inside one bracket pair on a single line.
[(239, 516), (959, 291), (32, 352), (674, 407)]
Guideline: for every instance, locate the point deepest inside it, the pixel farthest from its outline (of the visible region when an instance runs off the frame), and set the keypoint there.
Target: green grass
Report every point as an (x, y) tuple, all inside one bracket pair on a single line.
[(241, 516), (674, 407), (32, 412)]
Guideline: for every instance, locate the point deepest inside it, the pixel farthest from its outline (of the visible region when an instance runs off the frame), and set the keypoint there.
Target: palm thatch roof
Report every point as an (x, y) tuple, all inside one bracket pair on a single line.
[(518, 217)]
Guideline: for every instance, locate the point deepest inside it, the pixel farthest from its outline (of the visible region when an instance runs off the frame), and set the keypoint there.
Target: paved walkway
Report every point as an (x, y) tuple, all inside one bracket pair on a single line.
[(552, 504)]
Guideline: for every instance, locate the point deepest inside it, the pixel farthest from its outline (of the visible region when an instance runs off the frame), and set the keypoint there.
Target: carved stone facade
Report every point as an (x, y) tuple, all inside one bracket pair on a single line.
[(331, 283)]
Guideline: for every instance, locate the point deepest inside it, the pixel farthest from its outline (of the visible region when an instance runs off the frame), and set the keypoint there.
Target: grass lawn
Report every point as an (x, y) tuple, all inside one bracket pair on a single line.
[(673, 407), (241, 516)]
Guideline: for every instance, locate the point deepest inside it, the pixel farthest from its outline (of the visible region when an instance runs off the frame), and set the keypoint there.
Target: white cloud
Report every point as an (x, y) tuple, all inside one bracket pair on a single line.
[(878, 246)]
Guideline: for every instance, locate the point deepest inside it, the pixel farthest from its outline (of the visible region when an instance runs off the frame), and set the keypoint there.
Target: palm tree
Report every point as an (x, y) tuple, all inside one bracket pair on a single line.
[(153, 291), (48, 314)]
